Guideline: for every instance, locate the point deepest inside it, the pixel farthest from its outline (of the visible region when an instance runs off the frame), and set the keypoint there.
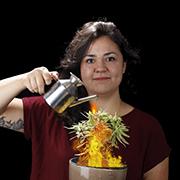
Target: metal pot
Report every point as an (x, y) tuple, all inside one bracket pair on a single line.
[(77, 172)]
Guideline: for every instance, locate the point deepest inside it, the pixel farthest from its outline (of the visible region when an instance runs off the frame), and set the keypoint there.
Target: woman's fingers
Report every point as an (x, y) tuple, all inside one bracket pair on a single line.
[(38, 78), (54, 75)]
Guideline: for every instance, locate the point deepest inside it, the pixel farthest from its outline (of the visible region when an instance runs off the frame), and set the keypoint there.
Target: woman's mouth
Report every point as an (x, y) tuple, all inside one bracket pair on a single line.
[(101, 78)]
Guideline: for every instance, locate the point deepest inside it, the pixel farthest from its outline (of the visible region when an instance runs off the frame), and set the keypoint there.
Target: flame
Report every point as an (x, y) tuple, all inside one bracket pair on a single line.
[(96, 151), (93, 108)]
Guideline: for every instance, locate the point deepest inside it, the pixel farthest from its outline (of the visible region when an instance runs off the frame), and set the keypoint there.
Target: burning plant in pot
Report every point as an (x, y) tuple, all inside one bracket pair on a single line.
[(96, 137), (95, 140)]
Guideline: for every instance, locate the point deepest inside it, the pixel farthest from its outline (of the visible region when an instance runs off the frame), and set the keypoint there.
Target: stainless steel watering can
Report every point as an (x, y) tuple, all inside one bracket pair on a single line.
[(63, 94)]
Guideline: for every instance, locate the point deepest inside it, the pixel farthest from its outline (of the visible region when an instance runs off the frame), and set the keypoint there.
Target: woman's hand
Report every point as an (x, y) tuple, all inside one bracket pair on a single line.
[(36, 79)]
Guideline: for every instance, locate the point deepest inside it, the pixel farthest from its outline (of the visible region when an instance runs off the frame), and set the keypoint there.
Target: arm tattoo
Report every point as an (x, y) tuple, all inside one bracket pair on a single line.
[(17, 125)]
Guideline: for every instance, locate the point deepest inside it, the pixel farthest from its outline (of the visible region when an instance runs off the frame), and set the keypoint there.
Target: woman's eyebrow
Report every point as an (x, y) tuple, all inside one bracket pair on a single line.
[(90, 55), (109, 53), (106, 54)]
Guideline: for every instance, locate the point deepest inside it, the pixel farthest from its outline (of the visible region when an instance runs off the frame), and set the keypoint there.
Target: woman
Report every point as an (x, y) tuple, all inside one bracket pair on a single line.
[(101, 57)]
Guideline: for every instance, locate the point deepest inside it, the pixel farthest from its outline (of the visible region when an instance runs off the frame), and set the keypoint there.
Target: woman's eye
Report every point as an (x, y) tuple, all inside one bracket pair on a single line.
[(109, 59), (90, 61)]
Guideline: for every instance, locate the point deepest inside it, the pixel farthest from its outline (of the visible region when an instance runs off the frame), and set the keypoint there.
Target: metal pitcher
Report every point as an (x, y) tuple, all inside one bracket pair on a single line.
[(63, 94)]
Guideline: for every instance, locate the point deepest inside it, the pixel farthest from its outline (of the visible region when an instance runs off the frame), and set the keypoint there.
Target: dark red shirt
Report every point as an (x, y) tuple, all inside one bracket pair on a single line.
[(51, 148)]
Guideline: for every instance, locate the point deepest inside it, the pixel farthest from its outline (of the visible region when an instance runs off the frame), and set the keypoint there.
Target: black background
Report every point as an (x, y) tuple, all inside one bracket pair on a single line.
[(38, 37)]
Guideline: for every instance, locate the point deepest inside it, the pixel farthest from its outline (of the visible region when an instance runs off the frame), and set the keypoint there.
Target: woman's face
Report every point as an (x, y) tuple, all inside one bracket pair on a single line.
[(102, 67)]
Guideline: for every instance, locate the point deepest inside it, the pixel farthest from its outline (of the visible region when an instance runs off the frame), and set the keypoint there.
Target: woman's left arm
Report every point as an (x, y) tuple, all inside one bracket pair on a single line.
[(159, 172)]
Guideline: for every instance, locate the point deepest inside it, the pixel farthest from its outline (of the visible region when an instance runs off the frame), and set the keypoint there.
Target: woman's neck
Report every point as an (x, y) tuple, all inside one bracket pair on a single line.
[(112, 104)]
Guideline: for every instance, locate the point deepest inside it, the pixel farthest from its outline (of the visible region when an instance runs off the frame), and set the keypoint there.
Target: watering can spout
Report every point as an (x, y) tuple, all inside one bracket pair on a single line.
[(82, 100)]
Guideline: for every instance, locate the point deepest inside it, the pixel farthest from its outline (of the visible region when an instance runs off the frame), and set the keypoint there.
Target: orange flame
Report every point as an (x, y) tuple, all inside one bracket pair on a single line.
[(96, 150), (93, 108)]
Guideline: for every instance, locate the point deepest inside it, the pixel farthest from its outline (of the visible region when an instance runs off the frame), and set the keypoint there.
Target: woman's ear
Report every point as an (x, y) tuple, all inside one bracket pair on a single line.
[(124, 67)]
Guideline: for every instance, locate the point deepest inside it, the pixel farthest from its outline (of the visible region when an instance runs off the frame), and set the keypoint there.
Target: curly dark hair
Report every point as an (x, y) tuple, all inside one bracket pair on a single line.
[(77, 49)]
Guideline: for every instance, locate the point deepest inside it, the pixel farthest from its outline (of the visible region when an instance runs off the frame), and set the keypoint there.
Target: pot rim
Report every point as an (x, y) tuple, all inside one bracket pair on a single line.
[(73, 161)]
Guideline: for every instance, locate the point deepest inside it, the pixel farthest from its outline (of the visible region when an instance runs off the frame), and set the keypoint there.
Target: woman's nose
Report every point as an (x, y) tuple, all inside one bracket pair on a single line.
[(100, 66)]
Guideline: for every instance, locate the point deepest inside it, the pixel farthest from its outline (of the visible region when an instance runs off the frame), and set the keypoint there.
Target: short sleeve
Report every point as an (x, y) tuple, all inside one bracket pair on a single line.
[(157, 149), (34, 111)]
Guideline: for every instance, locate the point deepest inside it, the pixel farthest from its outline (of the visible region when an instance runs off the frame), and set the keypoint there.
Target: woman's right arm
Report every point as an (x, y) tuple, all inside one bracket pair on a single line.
[(11, 108)]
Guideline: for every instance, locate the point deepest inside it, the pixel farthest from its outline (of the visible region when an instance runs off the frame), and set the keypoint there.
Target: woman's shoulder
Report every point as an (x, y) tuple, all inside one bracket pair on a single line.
[(35, 100), (138, 116), (36, 104), (138, 112), (143, 124)]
